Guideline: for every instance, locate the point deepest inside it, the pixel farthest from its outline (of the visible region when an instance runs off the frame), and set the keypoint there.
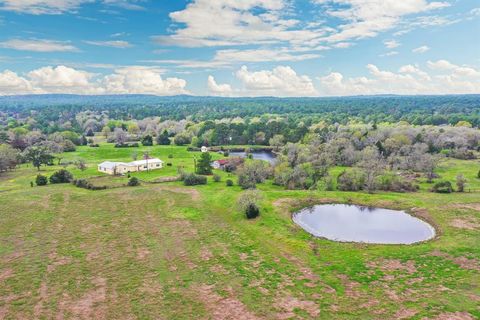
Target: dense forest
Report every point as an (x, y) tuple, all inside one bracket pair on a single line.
[(417, 110)]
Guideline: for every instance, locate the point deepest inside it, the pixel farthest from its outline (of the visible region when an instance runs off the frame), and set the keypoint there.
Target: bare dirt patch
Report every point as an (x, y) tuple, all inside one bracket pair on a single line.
[(288, 304), (142, 253), (405, 313), (5, 274), (452, 316), (389, 265), (221, 308), (351, 287), (193, 193), (469, 206), (464, 223), (90, 305), (206, 254), (462, 262), (57, 261)]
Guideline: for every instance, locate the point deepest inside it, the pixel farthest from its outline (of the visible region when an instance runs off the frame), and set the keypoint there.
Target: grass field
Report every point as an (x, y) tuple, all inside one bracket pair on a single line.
[(165, 251)]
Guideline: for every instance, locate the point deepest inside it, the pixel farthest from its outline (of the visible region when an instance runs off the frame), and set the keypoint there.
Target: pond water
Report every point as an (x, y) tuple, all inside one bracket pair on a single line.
[(349, 223), (258, 155)]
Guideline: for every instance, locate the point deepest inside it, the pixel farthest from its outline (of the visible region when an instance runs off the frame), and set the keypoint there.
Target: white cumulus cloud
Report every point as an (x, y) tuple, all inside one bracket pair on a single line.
[(215, 89), (421, 49), (62, 79)]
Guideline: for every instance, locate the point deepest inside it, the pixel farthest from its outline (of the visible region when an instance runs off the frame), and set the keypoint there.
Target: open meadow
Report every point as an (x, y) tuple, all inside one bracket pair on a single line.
[(166, 251)]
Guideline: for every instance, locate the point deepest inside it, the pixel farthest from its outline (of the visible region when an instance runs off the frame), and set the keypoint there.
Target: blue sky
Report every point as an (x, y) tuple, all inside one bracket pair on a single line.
[(240, 48)]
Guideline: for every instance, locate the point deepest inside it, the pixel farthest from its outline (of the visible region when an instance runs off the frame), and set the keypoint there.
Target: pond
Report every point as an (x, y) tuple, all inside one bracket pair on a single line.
[(258, 155), (350, 223)]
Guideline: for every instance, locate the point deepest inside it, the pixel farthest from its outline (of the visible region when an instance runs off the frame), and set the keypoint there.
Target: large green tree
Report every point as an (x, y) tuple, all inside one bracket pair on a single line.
[(203, 164)]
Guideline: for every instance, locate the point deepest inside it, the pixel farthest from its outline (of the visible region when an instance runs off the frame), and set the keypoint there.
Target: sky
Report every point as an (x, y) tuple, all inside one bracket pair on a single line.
[(285, 48)]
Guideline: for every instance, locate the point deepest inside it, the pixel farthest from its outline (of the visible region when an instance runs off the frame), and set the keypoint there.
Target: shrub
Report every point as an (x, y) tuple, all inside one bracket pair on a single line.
[(252, 211), (226, 153), (442, 187), (170, 156), (169, 164), (147, 140), (41, 180), (248, 203), (82, 183), (94, 145), (126, 145), (395, 183), (216, 178), (229, 183), (352, 180), (478, 174), (61, 176), (191, 179), (133, 182)]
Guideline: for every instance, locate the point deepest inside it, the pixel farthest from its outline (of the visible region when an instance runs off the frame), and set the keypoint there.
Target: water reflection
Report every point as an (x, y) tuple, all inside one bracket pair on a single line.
[(350, 223)]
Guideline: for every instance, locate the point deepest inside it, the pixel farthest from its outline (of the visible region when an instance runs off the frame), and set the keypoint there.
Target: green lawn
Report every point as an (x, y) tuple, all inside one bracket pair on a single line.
[(164, 251)]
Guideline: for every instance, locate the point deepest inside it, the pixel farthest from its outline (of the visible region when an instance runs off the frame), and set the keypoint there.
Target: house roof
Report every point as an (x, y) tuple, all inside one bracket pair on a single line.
[(113, 164), (110, 164), (222, 161), (143, 162)]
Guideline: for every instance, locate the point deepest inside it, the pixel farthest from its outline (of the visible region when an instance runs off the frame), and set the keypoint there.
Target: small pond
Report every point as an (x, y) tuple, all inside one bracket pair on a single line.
[(350, 223), (258, 155)]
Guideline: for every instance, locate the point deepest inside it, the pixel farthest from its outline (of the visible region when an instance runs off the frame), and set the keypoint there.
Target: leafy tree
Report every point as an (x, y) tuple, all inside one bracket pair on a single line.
[(120, 136), (191, 179), (277, 141), (81, 164), (41, 180), (9, 157), (229, 183), (106, 131), (217, 178), (147, 140), (90, 133), (163, 138), (38, 155), (253, 172), (204, 164), (461, 181)]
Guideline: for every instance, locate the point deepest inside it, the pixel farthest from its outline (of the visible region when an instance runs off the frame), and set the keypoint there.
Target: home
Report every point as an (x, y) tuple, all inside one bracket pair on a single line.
[(219, 164), (115, 168)]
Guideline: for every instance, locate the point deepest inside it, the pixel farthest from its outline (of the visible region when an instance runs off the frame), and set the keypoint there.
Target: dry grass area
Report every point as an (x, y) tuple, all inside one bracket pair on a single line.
[(171, 252)]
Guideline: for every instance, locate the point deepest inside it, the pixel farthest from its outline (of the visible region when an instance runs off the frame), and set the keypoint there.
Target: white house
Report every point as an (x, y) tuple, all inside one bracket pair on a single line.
[(110, 167)]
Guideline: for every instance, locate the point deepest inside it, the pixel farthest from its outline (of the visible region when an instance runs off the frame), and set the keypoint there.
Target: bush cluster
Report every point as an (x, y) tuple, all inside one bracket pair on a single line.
[(192, 179), (442, 187), (85, 184), (61, 176), (133, 182), (41, 180), (127, 145), (229, 183)]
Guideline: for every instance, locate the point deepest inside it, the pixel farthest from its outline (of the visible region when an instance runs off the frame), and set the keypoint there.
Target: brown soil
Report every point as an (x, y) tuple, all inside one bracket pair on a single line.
[(288, 304), (388, 265), (193, 193), (467, 224), (90, 305), (462, 262), (452, 316), (221, 308), (405, 313), (5, 274)]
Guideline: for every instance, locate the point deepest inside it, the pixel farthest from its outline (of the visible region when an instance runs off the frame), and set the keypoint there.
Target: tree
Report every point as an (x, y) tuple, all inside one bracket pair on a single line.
[(182, 138), (9, 157), (133, 129), (81, 164), (120, 136), (253, 172), (38, 155), (248, 203), (90, 133), (204, 164), (147, 140), (373, 165), (461, 181), (163, 138), (106, 131), (277, 141)]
